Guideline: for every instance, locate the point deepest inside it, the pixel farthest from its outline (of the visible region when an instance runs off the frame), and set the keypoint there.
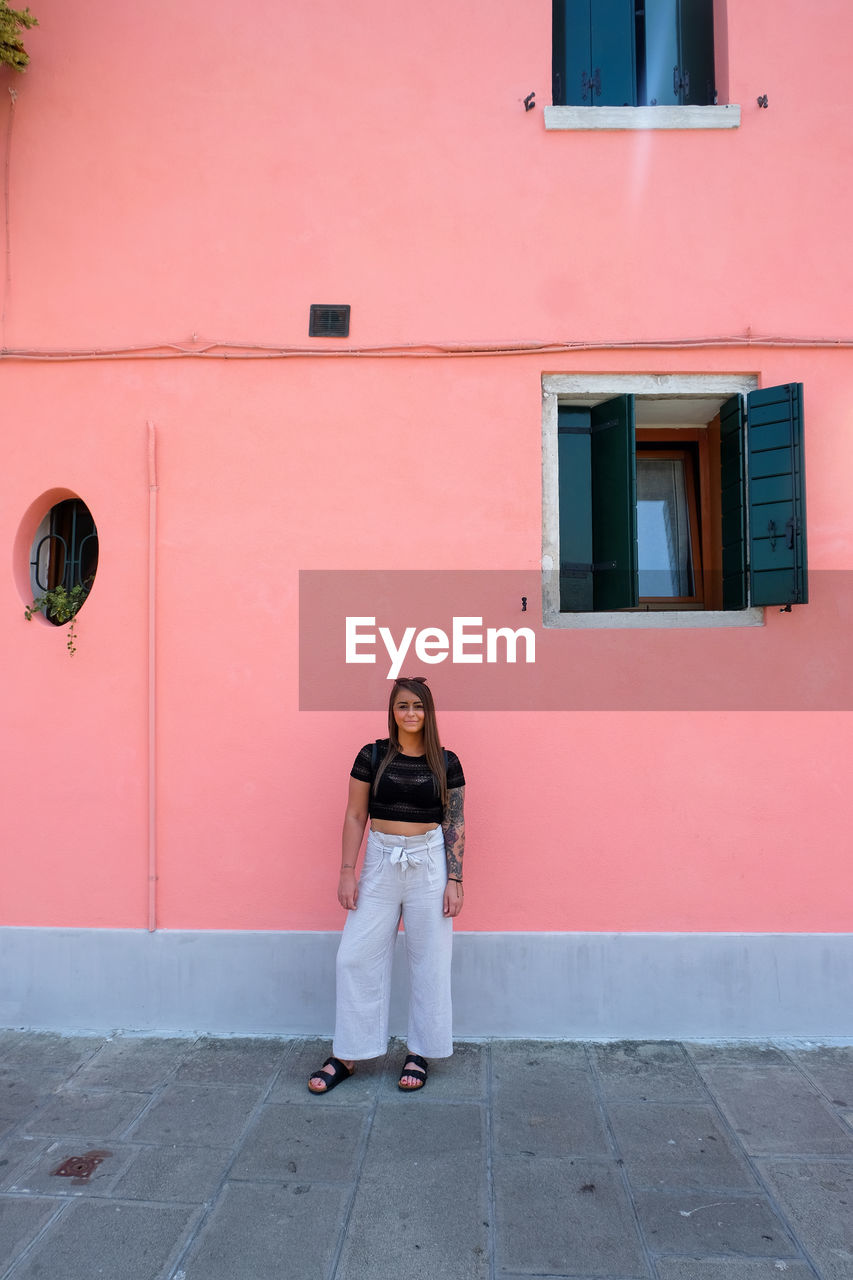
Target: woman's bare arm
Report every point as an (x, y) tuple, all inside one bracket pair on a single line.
[(355, 820)]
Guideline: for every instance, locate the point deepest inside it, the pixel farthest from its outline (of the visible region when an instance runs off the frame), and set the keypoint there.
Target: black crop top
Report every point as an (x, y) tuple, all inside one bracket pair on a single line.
[(407, 791)]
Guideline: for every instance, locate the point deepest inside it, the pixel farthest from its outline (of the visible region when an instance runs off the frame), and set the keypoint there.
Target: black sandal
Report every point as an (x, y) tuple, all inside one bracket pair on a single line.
[(419, 1070), (336, 1077)]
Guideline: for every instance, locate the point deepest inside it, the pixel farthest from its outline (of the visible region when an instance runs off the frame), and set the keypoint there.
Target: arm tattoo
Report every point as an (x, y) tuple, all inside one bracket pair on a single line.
[(453, 827)]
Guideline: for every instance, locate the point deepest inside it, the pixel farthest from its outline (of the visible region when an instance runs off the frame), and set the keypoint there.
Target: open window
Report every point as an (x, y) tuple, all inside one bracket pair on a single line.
[(682, 504), (65, 550), (633, 53), (670, 561)]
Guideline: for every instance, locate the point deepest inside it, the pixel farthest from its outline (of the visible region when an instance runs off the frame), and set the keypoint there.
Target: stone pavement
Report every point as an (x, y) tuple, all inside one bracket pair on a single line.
[(630, 1161)]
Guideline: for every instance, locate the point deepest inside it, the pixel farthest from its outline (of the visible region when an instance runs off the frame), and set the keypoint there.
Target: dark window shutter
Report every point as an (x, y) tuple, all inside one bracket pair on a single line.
[(594, 61), (776, 494), (598, 506), (575, 478), (733, 503), (613, 463), (612, 53), (558, 53), (696, 52), (576, 53)]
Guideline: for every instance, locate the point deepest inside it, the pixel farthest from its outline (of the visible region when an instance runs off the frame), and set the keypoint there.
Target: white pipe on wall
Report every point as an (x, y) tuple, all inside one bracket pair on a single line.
[(152, 677)]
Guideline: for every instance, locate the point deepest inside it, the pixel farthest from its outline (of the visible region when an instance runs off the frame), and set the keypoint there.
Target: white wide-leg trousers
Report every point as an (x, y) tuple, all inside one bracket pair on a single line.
[(401, 876)]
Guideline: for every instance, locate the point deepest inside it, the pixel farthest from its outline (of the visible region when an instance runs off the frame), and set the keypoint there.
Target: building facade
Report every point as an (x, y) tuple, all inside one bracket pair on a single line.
[(579, 372)]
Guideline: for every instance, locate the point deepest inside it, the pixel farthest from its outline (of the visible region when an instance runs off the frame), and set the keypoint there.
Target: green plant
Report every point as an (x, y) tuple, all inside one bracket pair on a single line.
[(12, 52), (60, 605)]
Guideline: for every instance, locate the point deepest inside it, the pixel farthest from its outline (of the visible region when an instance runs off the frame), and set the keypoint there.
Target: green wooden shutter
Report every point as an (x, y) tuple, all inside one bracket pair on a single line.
[(594, 62), (559, 77), (613, 53), (776, 496), (598, 506), (733, 496), (696, 52), (613, 466), (573, 52), (575, 479)]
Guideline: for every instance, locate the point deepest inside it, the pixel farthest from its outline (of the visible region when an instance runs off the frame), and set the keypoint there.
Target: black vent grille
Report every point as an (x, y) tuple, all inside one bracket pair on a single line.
[(328, 321)]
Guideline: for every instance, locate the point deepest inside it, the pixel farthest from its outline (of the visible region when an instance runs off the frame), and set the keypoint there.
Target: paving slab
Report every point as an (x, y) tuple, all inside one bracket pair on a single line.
[(694, 1223), (301, 1140), (566, 1217), (235, 1061), (774, 1111), (817, 1199), (107, 1112), (658, 1071), (678, 1146), (424, 1132), (8, 1040), (48, 1049), (528, 1056), (543, 1108), (264, 1231), (421, 1208), (462, 1076), (179, 1174), (737, 1055), (733, 1269), (831, 1068), (305, 1057), (104, 1238), (198, 1114), (22, 1090), (137, 1063), (17, 1154), (20, 1222)]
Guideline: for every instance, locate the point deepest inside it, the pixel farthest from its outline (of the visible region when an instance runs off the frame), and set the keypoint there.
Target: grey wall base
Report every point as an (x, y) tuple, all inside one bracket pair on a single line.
[(573, 986)]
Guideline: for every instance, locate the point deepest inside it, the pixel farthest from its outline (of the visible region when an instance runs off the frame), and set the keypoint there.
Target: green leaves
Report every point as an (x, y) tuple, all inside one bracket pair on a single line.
[(12, 21), (60, 606)]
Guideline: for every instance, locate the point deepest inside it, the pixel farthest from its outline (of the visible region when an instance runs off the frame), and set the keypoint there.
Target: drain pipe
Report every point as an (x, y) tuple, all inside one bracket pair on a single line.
[(152, 677)]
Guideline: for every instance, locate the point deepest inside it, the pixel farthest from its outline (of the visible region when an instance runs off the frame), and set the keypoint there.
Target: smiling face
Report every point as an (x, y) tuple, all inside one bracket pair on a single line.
[(408, 712)]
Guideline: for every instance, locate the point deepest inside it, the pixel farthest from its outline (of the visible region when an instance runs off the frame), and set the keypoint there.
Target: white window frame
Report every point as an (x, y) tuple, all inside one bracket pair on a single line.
[(592, 389)]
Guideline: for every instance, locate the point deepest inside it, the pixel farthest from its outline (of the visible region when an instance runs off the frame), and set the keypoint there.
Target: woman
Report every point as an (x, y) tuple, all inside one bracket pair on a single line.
[(413, 792)]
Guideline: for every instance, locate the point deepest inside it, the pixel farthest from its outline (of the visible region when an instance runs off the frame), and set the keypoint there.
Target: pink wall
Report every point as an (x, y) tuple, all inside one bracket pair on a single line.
[(177, 173), (172, 174)]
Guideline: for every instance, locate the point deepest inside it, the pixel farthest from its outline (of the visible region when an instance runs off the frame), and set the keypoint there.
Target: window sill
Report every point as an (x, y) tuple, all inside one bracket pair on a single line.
[(660, 619), (724, 117)]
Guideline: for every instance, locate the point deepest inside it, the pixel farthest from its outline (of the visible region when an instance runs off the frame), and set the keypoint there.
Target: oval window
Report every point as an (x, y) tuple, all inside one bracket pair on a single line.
[(64, 560)]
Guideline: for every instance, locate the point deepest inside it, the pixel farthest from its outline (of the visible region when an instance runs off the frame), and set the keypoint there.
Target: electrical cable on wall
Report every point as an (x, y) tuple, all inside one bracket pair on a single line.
[(224, 350)]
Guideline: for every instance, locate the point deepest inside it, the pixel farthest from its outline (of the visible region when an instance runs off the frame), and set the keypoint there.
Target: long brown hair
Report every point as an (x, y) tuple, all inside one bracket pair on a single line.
[(432, 743)]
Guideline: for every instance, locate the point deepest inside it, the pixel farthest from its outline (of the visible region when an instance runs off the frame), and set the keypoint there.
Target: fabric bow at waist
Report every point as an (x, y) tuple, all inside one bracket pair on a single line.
[(410, 857)]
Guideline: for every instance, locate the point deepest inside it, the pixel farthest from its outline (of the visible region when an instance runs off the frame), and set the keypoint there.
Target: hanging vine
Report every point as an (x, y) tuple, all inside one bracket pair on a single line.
[(60, 606), (12, 22)]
